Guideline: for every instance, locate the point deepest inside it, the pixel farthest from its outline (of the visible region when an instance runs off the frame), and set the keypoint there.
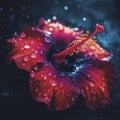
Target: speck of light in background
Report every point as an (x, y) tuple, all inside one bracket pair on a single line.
[(84, 19), (66, 8), (54, 17), (1, 9)]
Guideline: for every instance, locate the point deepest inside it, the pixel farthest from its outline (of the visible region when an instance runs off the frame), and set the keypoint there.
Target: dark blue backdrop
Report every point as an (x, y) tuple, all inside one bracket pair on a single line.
[(15, 99)]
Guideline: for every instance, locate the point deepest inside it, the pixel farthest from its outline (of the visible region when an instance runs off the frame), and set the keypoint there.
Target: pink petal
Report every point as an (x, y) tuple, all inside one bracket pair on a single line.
[(60, 32), (92, 50), (28, 48), (96, 80), (47, 86)]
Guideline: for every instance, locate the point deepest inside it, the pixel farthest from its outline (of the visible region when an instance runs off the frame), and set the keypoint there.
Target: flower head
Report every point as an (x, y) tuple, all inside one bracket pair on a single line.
[(63, 64)]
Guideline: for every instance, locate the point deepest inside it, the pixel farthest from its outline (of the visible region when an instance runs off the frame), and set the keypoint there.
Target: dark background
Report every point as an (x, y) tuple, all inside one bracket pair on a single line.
[(15, 99)]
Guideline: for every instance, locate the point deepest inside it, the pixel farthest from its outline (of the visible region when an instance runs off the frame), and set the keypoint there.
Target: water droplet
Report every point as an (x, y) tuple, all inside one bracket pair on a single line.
[(22, 48), (41, 52), (50, 29), (49, 74), (48, 20), (54, 76), (36, 90), (23, 35), (67, 105), (76, 29), (32, 74), (92, 84), (73, 99), (23, 64), (15, 33), (92, 47), (46, 64), (86, 87), (107, 58), (33, 56), (27, 47), (102, 88), (42, 75), (36, 52), (53, 83), (54, 17), (26, 59), (45, 78), (48, 38), (45, 94), (16, 44), (20, 39), (36, 68), (33, 28)]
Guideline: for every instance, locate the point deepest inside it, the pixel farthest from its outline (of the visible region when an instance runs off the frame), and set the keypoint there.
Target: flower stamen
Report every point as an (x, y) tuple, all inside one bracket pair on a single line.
[(60, 57)]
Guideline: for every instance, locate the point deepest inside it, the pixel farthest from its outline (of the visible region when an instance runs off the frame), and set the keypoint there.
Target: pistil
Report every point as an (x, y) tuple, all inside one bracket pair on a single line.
[(60, 57)]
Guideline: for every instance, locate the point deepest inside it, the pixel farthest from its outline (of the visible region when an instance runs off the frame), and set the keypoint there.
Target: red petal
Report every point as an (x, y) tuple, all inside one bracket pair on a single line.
[(96, 81), (57, 92), (28, 48), (59, 31), (92, 50), (65, 34)]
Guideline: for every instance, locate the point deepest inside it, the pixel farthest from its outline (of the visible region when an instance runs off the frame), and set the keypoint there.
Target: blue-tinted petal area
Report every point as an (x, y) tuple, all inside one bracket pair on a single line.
[(95, 80)]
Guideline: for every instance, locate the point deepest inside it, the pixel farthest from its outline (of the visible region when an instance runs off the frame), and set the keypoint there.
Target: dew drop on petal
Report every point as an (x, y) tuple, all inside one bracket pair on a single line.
[(54, 17), (73, 99), (32, 74), (27, 47), (67, 105), (41, 52), (25, 59), (36, 68), (45, 94), (20, 39), (107, 58), (16, 44), (92, 47), (48, 38), (45, 78), (49, 74), (36, 90), (53, 84), (23, 35), (48, 20), (23, 64), (36, 52), (92, 84), (33, 28), (46, 64), (42, 75), (33, 56), (102, 88)]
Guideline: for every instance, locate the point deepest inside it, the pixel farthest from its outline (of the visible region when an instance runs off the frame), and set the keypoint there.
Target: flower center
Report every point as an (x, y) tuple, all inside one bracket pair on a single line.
[(59, 58)]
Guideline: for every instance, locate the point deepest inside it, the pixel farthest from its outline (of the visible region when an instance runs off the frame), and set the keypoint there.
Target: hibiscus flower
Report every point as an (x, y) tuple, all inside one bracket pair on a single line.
[(63, 64)]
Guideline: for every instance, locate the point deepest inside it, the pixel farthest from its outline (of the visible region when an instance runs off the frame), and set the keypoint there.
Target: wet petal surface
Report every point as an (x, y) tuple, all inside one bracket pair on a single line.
[(57, 92), (29, 48), (96, 82)]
